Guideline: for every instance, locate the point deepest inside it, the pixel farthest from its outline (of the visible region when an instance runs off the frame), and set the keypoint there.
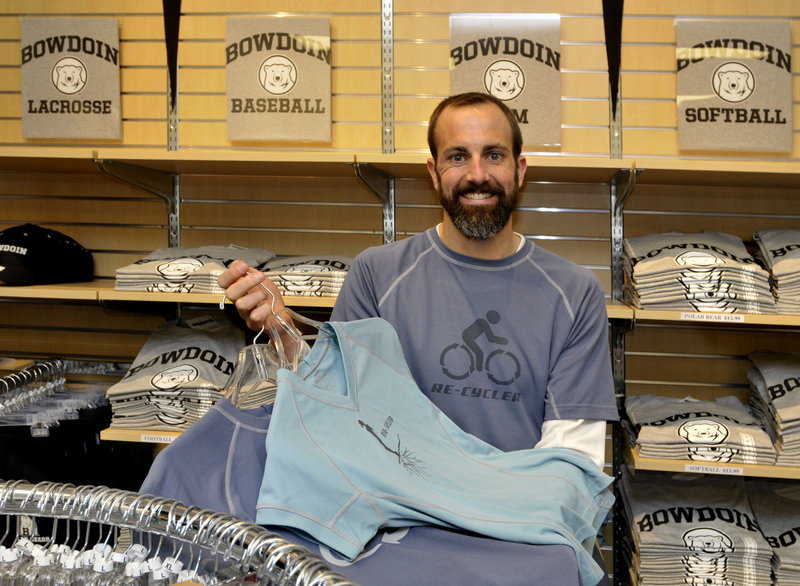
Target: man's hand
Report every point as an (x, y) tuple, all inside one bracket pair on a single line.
[(253, 294)]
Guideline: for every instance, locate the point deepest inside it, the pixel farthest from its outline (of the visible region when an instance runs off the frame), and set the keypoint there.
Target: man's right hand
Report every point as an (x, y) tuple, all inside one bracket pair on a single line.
[(247, 288)]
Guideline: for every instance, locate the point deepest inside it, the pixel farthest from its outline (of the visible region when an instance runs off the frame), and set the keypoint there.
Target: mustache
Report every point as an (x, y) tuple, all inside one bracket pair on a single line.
[(485, 187)]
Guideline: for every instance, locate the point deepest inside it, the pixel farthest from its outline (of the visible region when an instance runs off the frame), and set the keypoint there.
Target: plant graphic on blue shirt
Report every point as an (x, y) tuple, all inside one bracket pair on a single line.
[(407, 458)]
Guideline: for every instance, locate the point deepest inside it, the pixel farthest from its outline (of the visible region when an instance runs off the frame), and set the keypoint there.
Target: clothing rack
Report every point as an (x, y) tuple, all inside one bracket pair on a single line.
[(37, 397), (247, 550)]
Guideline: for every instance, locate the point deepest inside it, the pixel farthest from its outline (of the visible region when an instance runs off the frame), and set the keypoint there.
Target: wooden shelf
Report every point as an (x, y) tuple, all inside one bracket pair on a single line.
[(618, 310), (240, 162), (86, 291), (327, 163), (139, 436), (636, 462), (762, 319), (103, 290), (555, 168), (734, 173)]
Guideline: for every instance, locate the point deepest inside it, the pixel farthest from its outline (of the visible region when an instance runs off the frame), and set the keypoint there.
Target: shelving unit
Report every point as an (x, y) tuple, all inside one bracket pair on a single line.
[(636, 462), (101, 291)]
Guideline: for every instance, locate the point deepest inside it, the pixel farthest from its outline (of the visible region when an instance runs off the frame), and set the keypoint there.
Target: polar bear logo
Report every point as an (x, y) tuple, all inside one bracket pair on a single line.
[(69, 75), (174, 377), (277, 75), (703, 431), (504, 80), (733, 82)]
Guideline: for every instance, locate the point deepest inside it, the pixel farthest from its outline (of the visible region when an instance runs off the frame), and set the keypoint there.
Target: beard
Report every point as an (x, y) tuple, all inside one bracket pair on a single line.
[(480, 222)]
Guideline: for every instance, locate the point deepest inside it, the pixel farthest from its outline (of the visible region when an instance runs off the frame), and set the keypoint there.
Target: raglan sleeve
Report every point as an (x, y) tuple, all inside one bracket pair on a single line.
[(581, 384), (357, 298)]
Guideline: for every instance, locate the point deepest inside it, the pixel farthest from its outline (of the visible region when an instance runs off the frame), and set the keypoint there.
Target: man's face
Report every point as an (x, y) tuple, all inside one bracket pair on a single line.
[(476, 174)]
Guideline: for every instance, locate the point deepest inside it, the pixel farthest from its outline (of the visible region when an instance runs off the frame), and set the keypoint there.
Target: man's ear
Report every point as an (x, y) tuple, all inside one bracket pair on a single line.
[(432, 172), (522, 165)]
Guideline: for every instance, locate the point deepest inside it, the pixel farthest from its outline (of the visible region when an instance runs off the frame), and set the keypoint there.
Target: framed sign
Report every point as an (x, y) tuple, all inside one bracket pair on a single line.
[(516, 58), (734, 84), (70, 78), (278, 78)]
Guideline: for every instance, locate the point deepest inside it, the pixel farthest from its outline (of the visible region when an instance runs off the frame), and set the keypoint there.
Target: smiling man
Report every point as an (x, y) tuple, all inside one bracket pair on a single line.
[(509, 340), (478, 172)]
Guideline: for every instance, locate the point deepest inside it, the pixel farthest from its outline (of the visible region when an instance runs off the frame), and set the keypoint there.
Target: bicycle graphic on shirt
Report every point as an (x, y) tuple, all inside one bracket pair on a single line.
[(461, 359)]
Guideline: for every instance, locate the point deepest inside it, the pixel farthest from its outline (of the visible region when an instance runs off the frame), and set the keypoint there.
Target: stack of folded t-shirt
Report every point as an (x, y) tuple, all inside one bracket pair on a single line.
[(776, 505), (775, 398), (706, 271), (319, 276), (185, 270), (722, 430), (685, 530), (780, 252), (177, 376)]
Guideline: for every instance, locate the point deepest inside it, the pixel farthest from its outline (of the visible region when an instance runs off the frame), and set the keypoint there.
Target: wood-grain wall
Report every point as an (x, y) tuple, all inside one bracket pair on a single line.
[(303, 215)]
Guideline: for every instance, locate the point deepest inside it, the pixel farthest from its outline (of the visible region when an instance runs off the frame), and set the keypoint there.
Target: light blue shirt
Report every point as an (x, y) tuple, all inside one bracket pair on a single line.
[(354, 447)]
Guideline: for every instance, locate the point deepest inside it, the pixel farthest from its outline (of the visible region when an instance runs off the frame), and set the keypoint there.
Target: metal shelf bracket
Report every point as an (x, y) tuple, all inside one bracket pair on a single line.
[(382, 185), (160, 183)]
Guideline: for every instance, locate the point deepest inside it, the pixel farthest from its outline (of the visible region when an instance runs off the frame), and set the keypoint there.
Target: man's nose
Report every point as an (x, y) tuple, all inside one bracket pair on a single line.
[(476, 172)]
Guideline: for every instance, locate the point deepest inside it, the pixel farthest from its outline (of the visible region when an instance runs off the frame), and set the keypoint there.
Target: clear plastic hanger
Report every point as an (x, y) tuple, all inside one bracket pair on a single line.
[(253, 381), (38, 397)]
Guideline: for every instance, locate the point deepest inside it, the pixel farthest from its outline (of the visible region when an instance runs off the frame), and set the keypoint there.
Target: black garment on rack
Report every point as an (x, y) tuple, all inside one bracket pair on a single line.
[(73, 453)]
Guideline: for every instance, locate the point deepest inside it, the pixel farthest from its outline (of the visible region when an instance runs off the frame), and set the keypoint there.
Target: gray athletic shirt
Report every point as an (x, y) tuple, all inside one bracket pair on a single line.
[(498, 345)]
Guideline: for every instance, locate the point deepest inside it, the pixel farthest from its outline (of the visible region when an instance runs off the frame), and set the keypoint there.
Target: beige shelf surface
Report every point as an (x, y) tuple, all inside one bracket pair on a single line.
[(327, 163), (85, 291), (103, 290), (139, 435), (636, 462), (240, 162), (554, 168), (718, 172), (763, 319), (618, 310), (284, 163)]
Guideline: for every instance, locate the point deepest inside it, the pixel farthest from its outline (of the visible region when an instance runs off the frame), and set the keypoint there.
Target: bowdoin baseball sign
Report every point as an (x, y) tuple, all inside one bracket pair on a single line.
[(734, 85), (70, 78), (516, 58), (279, 79)]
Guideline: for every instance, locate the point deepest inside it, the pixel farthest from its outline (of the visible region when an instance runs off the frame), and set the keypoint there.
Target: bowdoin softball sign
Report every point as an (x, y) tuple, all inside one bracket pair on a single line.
[(516, 58), (70, 78), (734, 85), (279, 79)]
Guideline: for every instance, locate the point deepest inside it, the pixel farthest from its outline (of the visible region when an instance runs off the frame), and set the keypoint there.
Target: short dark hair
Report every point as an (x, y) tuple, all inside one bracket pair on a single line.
[(470, 99)]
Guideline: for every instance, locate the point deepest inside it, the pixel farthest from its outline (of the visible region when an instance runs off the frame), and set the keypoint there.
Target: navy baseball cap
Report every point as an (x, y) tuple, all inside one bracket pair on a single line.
[(32, 255)]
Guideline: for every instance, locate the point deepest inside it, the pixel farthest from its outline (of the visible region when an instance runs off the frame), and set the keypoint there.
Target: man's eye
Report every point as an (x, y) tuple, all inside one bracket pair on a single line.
[(495, 157), (457, 158)]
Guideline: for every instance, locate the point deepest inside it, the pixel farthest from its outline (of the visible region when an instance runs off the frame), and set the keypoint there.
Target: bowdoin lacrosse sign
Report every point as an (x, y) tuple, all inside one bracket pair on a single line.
[(279, 79), (70, 78), (734, 85), (516, 58)]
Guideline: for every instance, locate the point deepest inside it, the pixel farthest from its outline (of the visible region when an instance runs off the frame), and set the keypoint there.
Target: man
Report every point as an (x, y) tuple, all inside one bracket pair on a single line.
[(542, 375), (508, 340)]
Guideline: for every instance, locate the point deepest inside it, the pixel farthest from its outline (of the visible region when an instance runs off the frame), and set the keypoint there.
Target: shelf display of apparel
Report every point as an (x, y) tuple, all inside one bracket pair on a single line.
[(776, 505), (780, 251), (685, 530), (318, 276), (706, 271), (177, 376), (722, 430), (773, 378), (185, 270), (219, 463)]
